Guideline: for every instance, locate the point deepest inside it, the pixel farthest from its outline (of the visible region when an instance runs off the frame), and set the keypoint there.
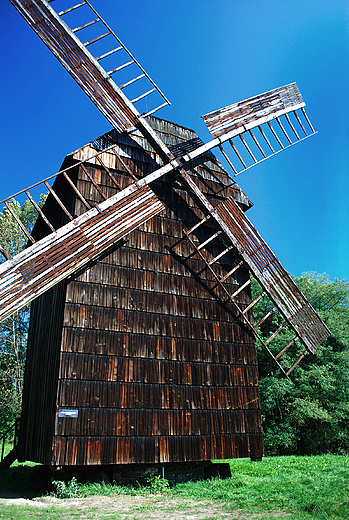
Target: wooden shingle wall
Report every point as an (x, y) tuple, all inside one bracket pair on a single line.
[(158, 368)]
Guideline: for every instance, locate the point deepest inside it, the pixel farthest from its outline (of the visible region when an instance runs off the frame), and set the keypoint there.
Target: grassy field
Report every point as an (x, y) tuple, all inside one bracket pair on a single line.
[(296, 488)]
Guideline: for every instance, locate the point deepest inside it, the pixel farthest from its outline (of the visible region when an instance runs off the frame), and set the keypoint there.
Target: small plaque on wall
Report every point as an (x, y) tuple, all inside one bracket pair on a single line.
[(65, 412)]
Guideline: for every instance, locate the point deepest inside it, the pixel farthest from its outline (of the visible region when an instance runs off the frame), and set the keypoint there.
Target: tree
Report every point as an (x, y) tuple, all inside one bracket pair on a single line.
[(14, 329), (309, 413)]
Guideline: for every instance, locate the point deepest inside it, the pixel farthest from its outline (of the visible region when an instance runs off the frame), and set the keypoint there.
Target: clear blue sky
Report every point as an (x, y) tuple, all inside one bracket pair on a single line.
[(205, 55)]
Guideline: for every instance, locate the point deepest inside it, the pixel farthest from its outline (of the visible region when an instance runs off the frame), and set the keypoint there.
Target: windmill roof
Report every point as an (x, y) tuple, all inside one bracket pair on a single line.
[(180, 140)]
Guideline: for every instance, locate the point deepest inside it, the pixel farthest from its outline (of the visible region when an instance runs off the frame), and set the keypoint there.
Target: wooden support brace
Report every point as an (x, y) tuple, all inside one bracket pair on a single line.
[(61, 13), (247, 148), (88, 24), (108, 172), (296, 363), (307, 120), (131, 80), (276, 333), (220, 255), (209, 240), (156, 109), (39, 210), (120, 67), (300, 122), (129, 171), (205, 219), (21, 225), (242, 287), (81, 197), (265, 317), (275, 135), (228, 160), (106, 54), (287, 347), (55, 196), (257, 143), (252, 304), (143, 95), (93, 182), (235, 268), (97, 39), (283, 130), (237, 152), (5, 253), (292, 127), (266, 139)]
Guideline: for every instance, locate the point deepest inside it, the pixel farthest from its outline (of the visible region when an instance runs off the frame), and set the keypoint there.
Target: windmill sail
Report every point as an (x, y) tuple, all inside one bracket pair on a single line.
[(85, 68), (234, 124), (230, 223), (272, 276), (53, 258), (254, 111)]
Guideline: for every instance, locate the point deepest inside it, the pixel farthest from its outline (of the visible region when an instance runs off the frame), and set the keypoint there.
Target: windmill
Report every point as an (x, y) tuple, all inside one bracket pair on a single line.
[(93, 394)]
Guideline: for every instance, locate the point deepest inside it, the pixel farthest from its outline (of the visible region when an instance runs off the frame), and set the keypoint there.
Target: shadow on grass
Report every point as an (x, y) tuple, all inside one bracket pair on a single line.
[(24, 481)]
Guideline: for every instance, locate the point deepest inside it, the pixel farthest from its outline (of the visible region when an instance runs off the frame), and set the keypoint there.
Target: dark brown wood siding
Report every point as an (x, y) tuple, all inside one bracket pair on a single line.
[(158, 367), (41, 376)]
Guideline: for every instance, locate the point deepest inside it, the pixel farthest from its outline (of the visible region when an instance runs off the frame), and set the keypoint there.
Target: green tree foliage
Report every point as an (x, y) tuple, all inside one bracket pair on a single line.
[(13, 330), (309, 413)]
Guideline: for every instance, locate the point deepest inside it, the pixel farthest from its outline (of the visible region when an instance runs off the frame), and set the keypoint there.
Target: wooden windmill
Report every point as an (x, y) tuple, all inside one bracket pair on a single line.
[(142, 342)]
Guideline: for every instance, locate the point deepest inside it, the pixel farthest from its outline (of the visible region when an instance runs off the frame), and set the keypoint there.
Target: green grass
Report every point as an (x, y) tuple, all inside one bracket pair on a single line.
[(314, 487)]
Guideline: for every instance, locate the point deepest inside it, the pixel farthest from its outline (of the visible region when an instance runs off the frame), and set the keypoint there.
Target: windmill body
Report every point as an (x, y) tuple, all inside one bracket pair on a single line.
[(142, 341), (135, 359)]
